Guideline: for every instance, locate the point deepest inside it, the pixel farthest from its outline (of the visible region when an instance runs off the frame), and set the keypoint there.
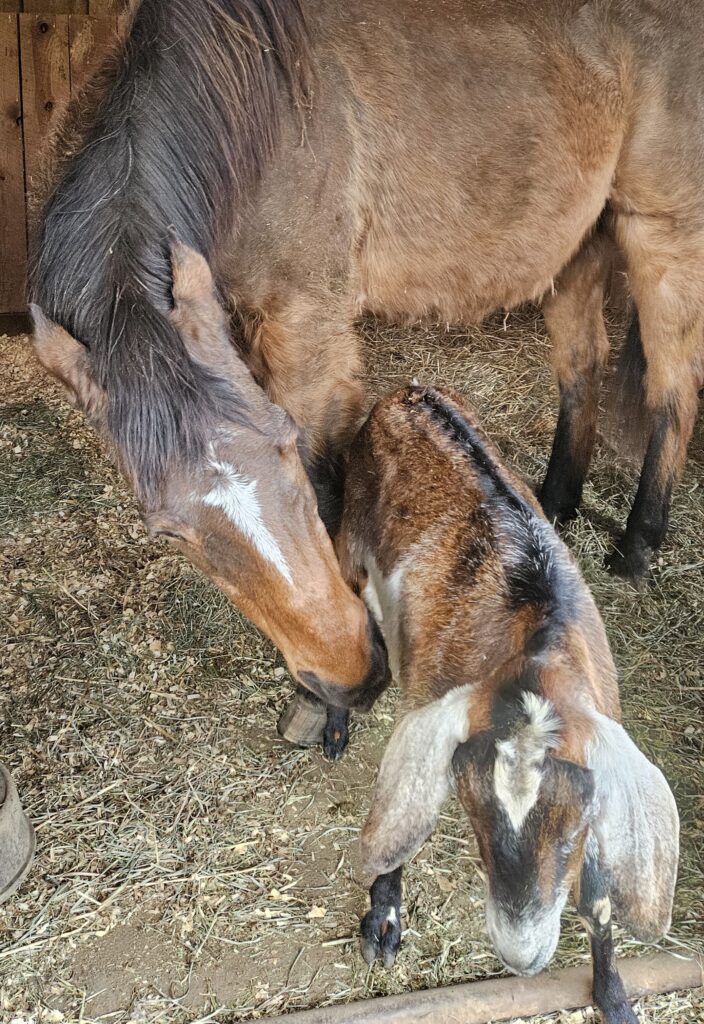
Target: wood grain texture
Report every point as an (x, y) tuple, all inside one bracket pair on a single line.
[(89, 40), (104, 8), (504, 998), (13, 230), (56, 6), (46, 83)]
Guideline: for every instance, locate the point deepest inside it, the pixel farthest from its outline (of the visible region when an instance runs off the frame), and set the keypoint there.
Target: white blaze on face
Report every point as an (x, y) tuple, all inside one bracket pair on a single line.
[(237, 498), (518, 764)]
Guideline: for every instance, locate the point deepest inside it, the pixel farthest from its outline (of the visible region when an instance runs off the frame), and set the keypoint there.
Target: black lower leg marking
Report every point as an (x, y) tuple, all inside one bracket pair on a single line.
[(336, 735), (572, 447), (381, 925), (647, 522), (595, 910), (607, 988)]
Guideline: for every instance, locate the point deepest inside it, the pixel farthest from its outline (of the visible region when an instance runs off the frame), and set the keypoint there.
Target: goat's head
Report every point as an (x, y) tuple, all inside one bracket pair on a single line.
[(533, 806), (530, 811)]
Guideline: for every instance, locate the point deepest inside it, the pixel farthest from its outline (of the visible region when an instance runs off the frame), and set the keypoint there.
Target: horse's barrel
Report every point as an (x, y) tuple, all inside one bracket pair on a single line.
[(16, 838)]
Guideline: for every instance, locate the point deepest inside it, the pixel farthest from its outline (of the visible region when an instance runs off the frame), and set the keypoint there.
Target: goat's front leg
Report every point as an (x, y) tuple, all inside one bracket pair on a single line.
[(381, 925), (594, 908), (308, 721)]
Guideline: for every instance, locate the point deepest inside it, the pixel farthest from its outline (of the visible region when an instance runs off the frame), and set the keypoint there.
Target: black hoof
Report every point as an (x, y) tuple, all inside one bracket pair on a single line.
[(618, 1013), (558, 515), (632, 565), (336, 734), (380, 935)]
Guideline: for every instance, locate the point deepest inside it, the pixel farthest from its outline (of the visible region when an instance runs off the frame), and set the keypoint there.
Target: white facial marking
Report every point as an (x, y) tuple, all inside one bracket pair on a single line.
[(237, 498), (518, 764)]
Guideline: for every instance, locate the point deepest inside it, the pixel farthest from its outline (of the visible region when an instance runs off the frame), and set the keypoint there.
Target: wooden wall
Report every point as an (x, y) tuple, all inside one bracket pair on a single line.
[(47, 47)]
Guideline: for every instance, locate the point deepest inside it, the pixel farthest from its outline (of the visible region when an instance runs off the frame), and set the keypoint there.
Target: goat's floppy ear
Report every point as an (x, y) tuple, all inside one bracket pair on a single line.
[(413, 782), (637, 827), (68, 361)]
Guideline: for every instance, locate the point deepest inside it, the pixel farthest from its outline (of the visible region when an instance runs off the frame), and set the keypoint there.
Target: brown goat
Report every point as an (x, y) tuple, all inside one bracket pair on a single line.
[(508, 687)]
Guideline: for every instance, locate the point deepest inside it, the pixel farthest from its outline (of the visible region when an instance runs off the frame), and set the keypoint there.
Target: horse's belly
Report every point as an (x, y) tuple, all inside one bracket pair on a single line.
[(454, 274)]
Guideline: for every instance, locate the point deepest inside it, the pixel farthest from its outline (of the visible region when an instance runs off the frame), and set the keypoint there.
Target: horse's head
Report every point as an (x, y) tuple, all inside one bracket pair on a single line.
[(243, 511)]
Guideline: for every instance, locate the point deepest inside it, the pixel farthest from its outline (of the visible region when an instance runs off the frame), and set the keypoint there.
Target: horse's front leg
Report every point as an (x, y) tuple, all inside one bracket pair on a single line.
[(575, 322), (305, 354)]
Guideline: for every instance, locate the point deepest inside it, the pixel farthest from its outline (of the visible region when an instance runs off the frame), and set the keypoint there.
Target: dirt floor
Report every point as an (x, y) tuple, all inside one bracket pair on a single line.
[(190, 866)]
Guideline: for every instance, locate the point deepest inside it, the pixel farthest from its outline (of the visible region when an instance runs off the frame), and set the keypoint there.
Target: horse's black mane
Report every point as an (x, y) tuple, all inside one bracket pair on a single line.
[(182, 129)]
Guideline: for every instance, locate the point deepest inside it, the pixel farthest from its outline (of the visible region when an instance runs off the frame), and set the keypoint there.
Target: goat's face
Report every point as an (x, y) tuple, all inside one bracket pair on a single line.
[(530, 811)]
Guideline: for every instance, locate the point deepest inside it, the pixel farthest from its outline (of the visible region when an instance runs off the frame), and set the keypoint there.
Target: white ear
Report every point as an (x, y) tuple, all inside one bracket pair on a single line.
[(413, 781), (637, 828)]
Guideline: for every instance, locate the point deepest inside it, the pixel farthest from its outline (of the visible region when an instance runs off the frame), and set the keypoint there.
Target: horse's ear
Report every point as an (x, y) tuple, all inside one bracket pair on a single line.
[(69, 361), (197, 312)]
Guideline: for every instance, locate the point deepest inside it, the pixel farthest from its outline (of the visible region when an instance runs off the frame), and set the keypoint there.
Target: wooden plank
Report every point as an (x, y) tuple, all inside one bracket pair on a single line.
[(103, 8), (89, 40), (13, 223), (507, 998), (45, 82), (10, 6), (56, 6)]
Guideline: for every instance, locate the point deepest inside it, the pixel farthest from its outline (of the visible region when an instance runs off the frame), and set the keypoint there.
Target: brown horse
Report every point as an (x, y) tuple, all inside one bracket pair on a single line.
[(415, 159)]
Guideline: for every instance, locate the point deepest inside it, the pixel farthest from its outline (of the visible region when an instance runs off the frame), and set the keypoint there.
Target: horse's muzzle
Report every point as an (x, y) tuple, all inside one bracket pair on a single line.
[(362, 696)]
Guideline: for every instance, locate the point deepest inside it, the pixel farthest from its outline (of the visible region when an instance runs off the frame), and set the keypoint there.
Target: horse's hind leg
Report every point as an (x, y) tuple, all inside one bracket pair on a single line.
[(666, 273), (575, 322)]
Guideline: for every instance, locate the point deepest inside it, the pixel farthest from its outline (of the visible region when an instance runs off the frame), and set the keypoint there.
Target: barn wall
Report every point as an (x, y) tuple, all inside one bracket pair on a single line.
[(47, 48)]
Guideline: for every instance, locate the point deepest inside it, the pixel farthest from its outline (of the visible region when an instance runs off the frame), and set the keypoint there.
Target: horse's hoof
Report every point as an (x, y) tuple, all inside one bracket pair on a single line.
[(558, 515), (303, 722), (380, 937), (632, 566), (17, 840)]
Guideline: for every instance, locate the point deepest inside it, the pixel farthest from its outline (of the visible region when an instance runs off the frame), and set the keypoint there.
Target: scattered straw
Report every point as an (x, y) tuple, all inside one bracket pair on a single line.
[(182, 848)]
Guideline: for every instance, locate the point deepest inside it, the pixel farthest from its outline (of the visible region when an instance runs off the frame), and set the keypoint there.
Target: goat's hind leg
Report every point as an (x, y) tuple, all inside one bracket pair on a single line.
[(574, 320)]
